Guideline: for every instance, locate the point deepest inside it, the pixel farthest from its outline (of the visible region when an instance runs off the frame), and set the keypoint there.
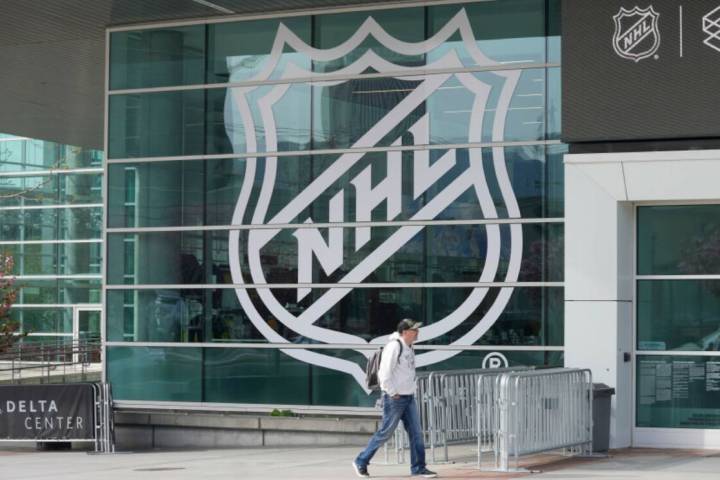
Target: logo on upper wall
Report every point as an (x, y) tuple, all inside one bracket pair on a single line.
[(637, 35), (353, 180), (711, 26)]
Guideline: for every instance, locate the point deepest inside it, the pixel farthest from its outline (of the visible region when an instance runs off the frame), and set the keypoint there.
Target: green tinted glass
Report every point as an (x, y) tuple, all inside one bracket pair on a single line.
[(165, 374), (43, 320), (205, 192), (678, 240), (533, 316), (241, 51), (157, 58), (156, 124), (434, 253), (678, 392), (678, 315), (268, 376)]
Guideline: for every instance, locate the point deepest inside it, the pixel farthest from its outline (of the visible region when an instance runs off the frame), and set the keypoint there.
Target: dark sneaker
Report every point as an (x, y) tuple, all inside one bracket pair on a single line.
[(425, 473), (360, 471)]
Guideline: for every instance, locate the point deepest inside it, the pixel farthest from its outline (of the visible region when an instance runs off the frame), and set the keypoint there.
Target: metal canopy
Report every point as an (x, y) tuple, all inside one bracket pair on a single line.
[(52, 57)]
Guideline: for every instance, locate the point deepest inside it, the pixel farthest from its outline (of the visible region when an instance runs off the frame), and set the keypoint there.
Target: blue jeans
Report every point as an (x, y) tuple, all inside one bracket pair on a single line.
[(405, 409)]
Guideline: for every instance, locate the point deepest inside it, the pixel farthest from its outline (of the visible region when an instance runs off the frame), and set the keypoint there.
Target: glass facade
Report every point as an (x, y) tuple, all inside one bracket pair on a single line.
[(281, 192), (678, 311), (51, 214)]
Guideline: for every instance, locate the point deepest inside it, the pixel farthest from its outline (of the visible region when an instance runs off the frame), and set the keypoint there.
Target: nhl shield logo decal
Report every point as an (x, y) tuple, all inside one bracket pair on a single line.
[(636, 33), (326, 247)]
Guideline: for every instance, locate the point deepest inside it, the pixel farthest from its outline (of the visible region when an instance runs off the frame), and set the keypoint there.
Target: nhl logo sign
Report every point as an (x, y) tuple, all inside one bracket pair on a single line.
[(636, 33), (441, 181)]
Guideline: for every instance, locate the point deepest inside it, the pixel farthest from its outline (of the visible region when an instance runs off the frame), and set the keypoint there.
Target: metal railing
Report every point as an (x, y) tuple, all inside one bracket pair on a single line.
[(534, 411), (48, 361)]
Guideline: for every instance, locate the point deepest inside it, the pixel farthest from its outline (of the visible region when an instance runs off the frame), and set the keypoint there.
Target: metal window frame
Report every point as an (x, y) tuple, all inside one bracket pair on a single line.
[(339, 77), (294, 286), (390, 5), (52, 171), (52, 207), (336, 346), (336, 151), (293, 226)]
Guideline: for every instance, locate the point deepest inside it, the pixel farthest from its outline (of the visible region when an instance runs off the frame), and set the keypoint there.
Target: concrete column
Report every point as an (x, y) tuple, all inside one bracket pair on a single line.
[(598, 286)]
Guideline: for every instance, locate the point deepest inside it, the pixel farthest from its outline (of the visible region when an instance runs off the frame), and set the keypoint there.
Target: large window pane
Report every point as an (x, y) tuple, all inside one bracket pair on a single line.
[(156, 124), (436, 109), (51, 224), (63, 291), (64, 189), (510, 31), (43, 320), (32, 155), (55, 259), (240, 51), (205, 192), (178, 316), (405, 25), (678, 392), (157, 58), (532, 317), (435, 253), (678, 240), (678, 315), (165, 374)]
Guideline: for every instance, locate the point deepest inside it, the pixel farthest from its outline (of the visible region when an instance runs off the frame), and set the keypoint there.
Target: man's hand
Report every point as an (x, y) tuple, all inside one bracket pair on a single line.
[(396, 397)]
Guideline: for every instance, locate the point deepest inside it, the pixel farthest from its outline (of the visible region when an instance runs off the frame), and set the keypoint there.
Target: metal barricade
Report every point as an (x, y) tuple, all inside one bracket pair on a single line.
[(535, 411), (448, 410), (104, 418)]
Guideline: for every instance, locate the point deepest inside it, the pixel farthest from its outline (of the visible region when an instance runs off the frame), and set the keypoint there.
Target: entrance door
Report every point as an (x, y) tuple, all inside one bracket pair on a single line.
[(677, 309), (86, 323)]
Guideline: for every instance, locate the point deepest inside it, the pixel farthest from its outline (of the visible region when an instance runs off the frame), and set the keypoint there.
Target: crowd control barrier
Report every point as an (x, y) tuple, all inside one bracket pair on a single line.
[(530, 412)]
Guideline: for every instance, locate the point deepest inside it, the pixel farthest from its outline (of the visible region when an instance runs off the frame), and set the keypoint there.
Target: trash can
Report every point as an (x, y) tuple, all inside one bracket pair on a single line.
[(601, 416)]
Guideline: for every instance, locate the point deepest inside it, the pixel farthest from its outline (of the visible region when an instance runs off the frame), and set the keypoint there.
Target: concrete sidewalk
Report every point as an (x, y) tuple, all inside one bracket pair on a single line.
[(334, 463)]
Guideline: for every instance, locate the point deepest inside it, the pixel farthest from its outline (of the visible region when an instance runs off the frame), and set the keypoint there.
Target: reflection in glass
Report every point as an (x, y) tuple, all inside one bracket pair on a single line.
[(156, 124), (158, 57), (51, 224), (678, 240), (533, 316), (43, 320), (678, 315), (434, 253), (55, 258), (205, 192), (240, 51)]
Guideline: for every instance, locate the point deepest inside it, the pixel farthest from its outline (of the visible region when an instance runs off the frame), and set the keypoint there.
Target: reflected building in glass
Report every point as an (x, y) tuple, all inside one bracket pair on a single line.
[(51, 214)]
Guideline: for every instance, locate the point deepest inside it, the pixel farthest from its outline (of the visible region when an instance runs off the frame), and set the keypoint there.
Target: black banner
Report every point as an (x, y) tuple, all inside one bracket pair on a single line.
[(47, 412), (640, 70)]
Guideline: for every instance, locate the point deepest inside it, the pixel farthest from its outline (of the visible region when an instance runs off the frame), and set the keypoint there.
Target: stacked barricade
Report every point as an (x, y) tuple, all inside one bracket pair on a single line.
[(448, 409), (528, 412)]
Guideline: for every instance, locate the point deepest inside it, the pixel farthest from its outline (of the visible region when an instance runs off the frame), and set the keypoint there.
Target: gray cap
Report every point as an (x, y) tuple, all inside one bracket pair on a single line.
[(408, 324)]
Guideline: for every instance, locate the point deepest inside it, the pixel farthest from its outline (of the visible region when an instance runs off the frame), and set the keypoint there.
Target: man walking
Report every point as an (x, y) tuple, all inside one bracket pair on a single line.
[(397, 382)]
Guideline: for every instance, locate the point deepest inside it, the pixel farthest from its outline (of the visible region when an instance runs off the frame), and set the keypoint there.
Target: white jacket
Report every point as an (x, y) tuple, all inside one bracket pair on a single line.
[(397, 377)]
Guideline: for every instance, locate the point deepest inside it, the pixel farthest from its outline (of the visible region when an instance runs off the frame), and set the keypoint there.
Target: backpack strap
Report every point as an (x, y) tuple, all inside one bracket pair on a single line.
[(401, 349)]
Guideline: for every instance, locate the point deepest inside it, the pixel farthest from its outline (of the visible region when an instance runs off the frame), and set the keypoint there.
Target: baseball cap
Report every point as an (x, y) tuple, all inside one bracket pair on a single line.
[(408, 324)]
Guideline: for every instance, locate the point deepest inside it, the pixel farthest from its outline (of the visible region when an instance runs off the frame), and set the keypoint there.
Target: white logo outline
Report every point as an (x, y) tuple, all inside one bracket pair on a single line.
[(619, 35), (303, 324), (711, 27)]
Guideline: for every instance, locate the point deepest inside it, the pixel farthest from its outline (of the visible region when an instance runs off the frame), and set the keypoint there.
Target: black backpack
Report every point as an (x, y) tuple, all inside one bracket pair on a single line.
[(373, 367)]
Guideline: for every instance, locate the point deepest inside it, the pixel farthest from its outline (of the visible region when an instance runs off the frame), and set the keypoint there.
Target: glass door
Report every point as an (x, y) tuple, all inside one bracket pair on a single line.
[(677, 302), (87, 321)]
